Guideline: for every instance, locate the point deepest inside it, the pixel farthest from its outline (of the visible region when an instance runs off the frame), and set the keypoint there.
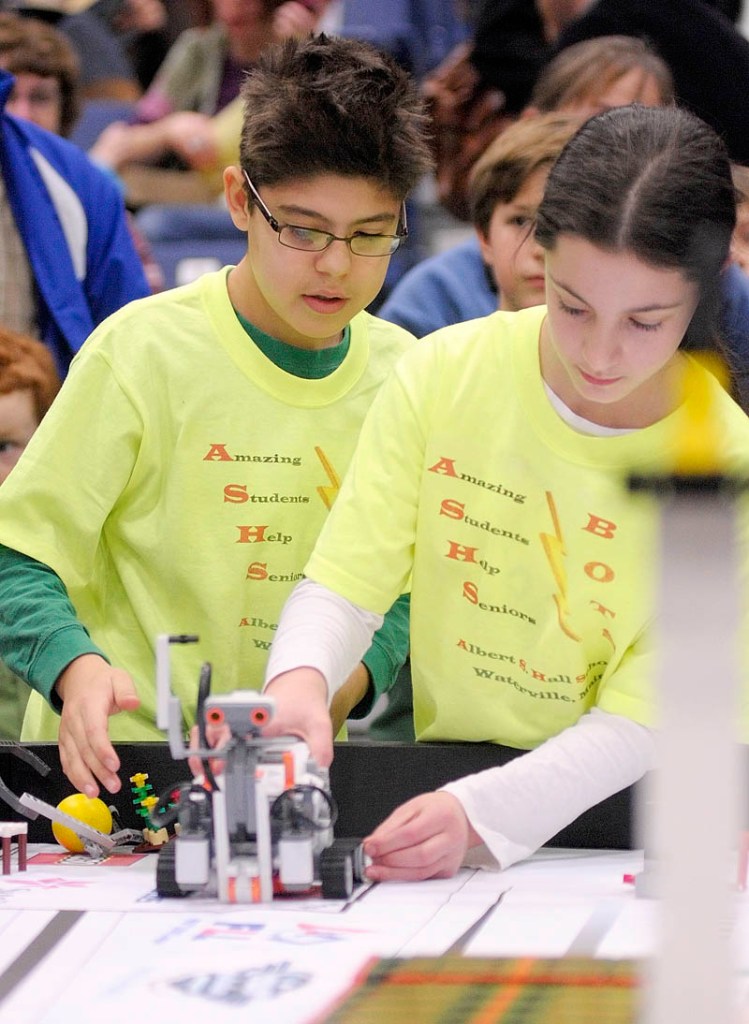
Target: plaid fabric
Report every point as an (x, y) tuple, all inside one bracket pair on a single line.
[(457, 990)]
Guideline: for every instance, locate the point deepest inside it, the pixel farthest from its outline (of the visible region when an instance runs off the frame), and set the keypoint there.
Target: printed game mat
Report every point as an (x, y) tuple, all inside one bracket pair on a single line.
[(457, 990)]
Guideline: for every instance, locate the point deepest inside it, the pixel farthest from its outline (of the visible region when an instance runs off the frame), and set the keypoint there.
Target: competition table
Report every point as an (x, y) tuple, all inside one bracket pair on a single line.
[(92, 942), (368, 781)]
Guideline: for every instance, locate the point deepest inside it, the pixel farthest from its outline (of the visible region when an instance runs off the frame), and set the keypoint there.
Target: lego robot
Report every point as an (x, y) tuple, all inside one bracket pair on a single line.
[(261, 827)]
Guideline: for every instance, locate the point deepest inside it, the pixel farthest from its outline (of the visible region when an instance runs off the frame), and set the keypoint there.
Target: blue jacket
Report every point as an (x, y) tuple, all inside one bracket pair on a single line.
[(71, 219), (444, 289)]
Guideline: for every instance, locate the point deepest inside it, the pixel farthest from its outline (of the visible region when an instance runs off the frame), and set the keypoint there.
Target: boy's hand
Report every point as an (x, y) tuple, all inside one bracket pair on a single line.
[(91, 690), (426, 837), (301, 698), (353, 691)]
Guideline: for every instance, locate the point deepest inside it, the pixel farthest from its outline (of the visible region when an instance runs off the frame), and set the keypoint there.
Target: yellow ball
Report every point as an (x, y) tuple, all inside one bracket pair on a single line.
[(90, 810)]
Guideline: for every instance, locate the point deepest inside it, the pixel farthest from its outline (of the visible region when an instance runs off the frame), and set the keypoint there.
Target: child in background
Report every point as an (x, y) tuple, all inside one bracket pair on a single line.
[(46, 91), (491, 474), (184, 473), (506, 188), (28, 383), (740, 240), (47, 75)]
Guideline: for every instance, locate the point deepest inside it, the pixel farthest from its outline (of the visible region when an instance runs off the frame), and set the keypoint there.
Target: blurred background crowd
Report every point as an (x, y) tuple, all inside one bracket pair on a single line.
[(148, 92)]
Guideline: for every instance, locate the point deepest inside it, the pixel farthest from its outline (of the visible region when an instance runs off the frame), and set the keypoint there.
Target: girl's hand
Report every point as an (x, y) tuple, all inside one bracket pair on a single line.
[(301, 698), (427, 837), (301, 710), (217, 736)]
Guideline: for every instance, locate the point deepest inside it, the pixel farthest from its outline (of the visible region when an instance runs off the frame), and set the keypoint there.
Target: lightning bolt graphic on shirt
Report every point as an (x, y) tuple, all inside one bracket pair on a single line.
[(555, 552), (328, 492)]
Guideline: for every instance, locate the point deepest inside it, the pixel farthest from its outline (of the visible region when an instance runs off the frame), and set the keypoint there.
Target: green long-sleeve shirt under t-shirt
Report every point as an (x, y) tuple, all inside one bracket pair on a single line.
[(40, 632), (40, 635)]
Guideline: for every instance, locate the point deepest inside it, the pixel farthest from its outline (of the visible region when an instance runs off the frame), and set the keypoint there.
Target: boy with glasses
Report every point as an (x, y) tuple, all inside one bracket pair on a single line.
[(180, 480)]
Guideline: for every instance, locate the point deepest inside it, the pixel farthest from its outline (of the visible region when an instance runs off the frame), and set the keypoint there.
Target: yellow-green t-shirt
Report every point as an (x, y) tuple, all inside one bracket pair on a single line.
[(178, 485), (532, 565)]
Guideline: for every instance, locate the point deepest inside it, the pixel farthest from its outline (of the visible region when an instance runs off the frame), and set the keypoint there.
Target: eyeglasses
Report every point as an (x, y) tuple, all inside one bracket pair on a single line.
[(293, 236)]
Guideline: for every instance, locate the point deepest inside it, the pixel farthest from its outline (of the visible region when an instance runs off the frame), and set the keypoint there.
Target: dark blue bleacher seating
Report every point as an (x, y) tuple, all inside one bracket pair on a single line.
[(418, 33), (94, 118), (188, 240)]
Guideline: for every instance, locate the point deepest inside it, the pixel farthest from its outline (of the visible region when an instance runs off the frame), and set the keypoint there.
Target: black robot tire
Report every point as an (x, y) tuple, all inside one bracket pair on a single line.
[(336, 873), (166, 880)]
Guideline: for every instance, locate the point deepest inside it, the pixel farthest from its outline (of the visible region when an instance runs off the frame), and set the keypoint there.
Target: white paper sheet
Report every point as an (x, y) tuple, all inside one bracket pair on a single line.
[(288, 961)]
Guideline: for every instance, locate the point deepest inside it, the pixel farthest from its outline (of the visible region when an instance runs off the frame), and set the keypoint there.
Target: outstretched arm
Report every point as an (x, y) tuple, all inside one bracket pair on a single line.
[(43, 641), (319, 644), (514, 809)]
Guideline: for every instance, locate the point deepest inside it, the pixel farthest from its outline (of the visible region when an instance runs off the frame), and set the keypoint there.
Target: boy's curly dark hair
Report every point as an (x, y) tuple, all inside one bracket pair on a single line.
[(333, 106)]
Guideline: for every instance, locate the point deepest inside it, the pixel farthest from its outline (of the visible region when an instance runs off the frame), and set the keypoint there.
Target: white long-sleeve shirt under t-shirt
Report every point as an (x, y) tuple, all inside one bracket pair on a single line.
[(515, 808), (531, 572)]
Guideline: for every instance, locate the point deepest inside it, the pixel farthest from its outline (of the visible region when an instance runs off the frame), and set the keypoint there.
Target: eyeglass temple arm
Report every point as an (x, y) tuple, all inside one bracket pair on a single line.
[(404, 221)]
